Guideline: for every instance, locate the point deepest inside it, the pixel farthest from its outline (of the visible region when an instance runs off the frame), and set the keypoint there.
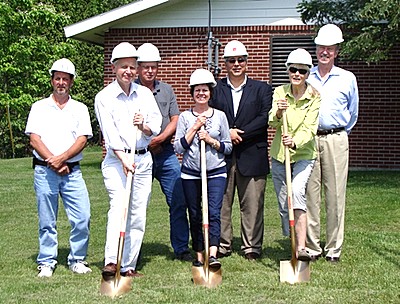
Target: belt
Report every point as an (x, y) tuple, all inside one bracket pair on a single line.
[(141, 151), (38, 162), (330, 131)]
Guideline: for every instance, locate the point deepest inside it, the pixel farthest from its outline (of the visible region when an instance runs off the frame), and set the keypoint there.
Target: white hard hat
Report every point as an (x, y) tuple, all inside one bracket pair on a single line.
[(123, 50), (329, 34), (202, 76), (148, 52), (299, 56), (63, 65), (235, 48)]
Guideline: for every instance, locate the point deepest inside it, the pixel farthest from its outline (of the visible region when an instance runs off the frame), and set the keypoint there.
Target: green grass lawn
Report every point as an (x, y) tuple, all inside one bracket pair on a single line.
[(369, 271)]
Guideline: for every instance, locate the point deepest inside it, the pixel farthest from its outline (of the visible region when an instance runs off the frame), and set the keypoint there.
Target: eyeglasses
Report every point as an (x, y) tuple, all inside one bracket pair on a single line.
[(233, 60), (301, 71)]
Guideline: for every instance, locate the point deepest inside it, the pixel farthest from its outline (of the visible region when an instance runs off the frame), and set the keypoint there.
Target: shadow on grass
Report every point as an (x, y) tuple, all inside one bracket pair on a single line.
[(389, 255)]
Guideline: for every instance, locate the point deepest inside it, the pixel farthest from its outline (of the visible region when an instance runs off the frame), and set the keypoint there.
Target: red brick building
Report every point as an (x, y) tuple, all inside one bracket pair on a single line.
[(375, 140)]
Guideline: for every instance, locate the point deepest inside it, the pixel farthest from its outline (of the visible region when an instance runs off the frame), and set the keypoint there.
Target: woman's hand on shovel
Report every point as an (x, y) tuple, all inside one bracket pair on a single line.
[(282, 105), (287, 140)]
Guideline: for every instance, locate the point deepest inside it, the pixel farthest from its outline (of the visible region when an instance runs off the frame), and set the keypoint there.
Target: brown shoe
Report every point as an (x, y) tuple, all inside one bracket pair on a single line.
[(252, 256), (132, 273), (109, 270)]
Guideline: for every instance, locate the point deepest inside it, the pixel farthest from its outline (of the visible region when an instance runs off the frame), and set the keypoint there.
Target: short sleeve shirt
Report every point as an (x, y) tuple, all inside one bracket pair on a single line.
[(59, 128)]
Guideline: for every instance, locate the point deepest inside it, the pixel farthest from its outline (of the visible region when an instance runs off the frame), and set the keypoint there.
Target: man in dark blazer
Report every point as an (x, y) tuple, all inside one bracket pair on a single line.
[(246, 103)]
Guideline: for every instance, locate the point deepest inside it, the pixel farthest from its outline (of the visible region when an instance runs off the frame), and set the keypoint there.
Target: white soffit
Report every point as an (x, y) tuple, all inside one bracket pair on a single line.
[(287, 21), (101, 21)]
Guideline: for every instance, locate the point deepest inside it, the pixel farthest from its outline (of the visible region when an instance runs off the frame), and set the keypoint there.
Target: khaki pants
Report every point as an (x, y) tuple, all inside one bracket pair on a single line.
[(251, 192), (330, 172)]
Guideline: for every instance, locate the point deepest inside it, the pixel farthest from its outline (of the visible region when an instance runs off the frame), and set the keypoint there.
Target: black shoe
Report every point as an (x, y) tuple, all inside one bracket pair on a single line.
[(184, 256), (332, 259), (214, 263), (197, 263), (314, 258), (252, 256), (221, 255)]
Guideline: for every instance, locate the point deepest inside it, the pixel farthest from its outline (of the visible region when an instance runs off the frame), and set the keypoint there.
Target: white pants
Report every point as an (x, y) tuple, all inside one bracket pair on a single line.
[(115, 182)]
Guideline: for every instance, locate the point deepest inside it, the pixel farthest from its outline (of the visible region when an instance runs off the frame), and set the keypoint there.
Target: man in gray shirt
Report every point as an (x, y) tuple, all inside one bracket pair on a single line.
[(166, 167)]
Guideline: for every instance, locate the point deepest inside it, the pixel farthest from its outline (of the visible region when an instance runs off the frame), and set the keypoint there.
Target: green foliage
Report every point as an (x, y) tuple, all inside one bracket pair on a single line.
[(32, 38), (372, 26), (29, 45)]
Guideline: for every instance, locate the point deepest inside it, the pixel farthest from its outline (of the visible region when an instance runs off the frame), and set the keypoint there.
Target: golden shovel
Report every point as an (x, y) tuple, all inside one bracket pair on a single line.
[(117, 285), (293, 271), (205, 275)]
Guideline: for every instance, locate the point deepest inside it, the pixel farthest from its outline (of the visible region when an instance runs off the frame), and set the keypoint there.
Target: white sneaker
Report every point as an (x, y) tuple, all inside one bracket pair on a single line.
[(45, 271), (80, 267)]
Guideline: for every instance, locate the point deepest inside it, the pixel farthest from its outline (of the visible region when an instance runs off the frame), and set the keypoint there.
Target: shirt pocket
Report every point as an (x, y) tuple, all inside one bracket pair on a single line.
[(164, 108)]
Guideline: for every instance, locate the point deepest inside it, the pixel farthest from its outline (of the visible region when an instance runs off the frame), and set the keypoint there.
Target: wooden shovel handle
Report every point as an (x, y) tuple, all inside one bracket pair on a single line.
[(289, 188)]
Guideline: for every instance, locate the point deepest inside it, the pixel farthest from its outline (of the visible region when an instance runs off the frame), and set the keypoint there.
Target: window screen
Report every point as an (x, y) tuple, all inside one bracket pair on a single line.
[(281, 47)]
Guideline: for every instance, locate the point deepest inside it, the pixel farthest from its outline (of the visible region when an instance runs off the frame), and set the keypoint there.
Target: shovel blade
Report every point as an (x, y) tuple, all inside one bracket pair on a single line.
[(298, 273), (200, 277), (115, 287)]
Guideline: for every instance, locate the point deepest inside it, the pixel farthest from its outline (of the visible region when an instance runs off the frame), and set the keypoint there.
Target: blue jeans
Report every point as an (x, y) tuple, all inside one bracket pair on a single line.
[(192, 189), (73, 192), (167, 170)]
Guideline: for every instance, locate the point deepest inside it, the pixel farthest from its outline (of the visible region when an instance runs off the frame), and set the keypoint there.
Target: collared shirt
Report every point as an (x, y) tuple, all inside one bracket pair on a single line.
[(302, 117), (59, 128), (166, 101), (236, 93), (115, 111), (339, 93)]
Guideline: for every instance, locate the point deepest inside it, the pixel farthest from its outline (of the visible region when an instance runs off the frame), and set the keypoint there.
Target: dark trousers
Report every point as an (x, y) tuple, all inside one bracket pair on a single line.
[(167, 170), (193, 195)]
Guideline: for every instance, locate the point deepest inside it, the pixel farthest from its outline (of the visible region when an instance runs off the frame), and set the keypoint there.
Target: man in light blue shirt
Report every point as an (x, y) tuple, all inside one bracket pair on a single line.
[(337, 117)]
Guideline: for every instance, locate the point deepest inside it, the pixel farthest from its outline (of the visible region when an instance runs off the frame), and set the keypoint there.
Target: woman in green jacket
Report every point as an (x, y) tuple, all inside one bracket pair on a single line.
[(301, 103)]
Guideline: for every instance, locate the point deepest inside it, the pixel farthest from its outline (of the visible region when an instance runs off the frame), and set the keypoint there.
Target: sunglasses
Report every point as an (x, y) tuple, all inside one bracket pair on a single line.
[(301, 71), (233, 60)]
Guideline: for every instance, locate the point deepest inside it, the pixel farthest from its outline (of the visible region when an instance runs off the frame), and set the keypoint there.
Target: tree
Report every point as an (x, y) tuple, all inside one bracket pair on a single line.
[(372, 26), (31, 39), (28, 45)]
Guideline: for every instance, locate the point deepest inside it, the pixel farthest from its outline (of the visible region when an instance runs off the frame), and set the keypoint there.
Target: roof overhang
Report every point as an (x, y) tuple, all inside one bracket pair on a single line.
[(92, 30)]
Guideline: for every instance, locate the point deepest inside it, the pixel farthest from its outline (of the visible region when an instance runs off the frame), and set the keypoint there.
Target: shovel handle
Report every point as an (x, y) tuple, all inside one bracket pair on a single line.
[(204, 207), (125, 206), (288, 172), (289, 188)]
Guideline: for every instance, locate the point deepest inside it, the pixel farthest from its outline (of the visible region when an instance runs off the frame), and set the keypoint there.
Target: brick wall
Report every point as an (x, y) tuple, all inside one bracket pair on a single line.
[(374, 142)]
